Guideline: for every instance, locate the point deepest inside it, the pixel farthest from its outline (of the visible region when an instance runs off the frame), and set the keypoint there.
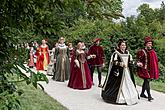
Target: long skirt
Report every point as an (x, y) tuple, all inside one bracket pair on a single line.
[(120, 89), (31, 61), (62, 68), (80, 77), (39, 64)]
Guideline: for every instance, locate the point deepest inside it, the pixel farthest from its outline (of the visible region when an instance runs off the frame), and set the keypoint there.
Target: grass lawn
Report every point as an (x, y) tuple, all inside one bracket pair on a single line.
[(36, 99), (155, 85)]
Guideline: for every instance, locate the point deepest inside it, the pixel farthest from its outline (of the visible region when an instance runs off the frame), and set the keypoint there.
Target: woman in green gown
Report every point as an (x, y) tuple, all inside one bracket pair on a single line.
[(62, 59)]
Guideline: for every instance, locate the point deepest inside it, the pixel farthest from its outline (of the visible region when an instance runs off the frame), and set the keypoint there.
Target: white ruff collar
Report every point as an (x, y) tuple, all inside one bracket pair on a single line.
[(62, 45), (71, 48)]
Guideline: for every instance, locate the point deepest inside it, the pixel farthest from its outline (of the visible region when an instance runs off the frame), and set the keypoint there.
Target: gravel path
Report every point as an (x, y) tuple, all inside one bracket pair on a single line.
[(91, 99)]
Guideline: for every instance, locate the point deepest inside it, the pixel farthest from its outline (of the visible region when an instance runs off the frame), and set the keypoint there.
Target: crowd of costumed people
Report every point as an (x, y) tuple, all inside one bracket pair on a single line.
[(76, 64)]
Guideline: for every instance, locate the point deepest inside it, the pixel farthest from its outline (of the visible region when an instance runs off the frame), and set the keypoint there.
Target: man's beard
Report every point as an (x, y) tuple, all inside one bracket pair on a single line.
[(149, 48)]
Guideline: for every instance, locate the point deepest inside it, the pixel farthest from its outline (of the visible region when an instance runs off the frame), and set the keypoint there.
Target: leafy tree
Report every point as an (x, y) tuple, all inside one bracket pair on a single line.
[(147, 12), (104, 9), (26, 20), (161, 13)]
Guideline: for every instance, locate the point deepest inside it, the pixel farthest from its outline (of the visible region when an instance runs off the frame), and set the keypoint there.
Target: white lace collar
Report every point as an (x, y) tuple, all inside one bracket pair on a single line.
[(62, 45), (80, 51), (71, 48), (44, 46)]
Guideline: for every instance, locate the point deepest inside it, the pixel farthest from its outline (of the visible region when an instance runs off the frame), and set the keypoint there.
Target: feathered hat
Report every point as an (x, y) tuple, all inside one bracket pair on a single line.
[(148, 39), (96, 39)]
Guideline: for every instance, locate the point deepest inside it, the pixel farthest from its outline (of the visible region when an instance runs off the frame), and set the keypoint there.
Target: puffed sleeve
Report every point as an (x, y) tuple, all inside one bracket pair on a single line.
[(116, 60), (140, 55)]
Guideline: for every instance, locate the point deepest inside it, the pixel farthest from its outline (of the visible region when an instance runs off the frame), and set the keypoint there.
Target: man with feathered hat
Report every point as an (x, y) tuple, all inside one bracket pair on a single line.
[(147, 62), (96, 58)]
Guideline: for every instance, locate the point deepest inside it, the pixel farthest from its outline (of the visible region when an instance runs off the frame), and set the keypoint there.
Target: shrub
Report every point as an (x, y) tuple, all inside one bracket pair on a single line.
[(162, 73)]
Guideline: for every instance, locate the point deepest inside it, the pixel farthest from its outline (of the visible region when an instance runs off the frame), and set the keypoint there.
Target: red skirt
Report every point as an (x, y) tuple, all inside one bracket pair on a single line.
[(80, 77)]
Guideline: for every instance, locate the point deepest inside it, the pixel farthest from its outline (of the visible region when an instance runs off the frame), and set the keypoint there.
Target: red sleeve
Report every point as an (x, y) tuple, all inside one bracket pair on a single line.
[(140, 55), (37, 51), (47, 49), (103, 55), (89, 51)]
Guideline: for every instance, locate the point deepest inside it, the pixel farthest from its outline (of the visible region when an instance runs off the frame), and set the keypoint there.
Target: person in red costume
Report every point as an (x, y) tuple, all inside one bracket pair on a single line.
[(96, 58), (80, 77), (42, 56), (147, 62)]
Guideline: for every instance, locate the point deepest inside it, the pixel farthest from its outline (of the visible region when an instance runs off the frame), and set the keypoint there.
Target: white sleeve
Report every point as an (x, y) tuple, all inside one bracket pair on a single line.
[(131, 59), (115, 57)]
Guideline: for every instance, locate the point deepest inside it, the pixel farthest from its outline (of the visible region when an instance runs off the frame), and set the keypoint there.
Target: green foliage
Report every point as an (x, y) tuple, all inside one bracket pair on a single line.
[(50, 16), (162, 72), (133, 30), (8, 95), (147, 12), (104, 9), (13, 55), (87, 30), (147, 23), (35, 99), (161, 13), (23, 21), (155, 85), (160, 48)]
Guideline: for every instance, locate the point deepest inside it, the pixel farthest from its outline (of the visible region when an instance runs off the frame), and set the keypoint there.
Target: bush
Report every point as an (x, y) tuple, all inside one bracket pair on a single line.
[(160, 49), (162, 73), (12, 56)]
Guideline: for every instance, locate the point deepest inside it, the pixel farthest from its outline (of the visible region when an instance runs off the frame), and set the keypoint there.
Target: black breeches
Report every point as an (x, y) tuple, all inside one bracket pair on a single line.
[(99, 70), (146, 86)]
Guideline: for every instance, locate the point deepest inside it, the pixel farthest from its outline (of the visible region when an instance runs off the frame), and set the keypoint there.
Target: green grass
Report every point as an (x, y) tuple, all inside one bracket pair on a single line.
[(160, 43), (36, 99), (155, 85)]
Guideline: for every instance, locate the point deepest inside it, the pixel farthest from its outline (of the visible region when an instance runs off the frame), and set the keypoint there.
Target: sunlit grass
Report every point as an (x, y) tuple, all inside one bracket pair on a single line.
[(155, 85), (36, 99)]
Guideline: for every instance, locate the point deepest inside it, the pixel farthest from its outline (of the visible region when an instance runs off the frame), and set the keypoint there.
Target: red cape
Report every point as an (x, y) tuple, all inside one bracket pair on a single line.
[(150, 67)]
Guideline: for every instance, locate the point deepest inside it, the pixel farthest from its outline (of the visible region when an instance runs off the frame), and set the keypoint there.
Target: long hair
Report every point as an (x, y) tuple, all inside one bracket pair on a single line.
[(78, 45), (120, 42)]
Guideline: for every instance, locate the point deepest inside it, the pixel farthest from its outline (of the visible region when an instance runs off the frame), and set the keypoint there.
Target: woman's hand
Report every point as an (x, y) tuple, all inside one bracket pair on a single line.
[(139, 64), (103, 65), (77, 63), (93, 56)]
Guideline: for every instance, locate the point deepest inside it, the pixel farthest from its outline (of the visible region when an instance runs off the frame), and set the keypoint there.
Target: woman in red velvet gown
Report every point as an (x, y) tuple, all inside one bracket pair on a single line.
[(31, 58), (42, 56), (80, 74)]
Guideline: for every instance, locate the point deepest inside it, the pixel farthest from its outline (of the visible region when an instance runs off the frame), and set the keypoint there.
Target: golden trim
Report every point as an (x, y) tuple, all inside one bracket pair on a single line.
[(146, 61), (109, 70), (83, 74), (117, 100)]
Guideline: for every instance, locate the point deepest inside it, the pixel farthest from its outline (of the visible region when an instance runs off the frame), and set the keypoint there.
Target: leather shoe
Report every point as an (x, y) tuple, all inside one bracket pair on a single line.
[(143, 96), (150, 98), (100, 86)]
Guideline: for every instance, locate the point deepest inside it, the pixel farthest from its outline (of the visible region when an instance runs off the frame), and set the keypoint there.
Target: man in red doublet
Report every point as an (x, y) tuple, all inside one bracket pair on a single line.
[(96, 59), (147, 66)]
